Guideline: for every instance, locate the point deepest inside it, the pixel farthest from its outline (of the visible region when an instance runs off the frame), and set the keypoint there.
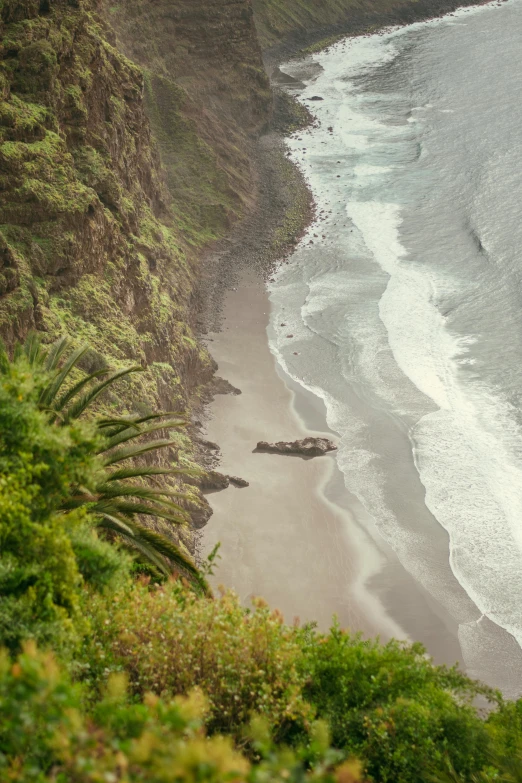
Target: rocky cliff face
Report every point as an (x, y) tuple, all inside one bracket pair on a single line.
[(101, 223), (93, 241), (89, 243), (207, 96)]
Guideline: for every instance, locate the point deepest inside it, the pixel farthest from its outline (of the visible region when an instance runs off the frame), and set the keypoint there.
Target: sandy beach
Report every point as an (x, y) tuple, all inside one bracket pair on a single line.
[(292, 536)]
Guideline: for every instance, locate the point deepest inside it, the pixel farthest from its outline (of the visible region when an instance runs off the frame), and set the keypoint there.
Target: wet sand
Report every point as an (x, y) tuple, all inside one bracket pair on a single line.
[(294, 535)]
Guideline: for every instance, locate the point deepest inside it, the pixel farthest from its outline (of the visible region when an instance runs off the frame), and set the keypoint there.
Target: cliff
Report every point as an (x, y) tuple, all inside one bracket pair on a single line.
[(90, 244), (207, 96), (102, 220)]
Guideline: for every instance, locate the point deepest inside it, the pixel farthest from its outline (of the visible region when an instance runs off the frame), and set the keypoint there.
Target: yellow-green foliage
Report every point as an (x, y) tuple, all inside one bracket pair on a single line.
[(46, 736), (388, 705), (245, 662), (92, 244), (47, 555)]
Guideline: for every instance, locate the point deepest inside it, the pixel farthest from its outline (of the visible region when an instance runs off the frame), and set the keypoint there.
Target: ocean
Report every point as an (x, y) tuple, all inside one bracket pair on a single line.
[(404, 302)]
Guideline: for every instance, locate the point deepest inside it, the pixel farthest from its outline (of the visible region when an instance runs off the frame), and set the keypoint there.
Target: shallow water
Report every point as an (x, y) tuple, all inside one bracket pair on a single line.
[(405, 304)]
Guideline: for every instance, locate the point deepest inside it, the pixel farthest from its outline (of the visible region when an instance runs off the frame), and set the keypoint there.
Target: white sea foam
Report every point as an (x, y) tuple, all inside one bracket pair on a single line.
[(466, 453), (391, 338)]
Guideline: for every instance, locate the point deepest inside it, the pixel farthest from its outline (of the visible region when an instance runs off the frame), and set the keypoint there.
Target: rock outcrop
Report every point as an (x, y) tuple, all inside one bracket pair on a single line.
[(238, 482), (213, 481), (307, 447)]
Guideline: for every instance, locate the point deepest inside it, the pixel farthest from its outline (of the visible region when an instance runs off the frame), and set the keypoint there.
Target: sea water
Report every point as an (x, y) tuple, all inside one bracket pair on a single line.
[(404, 300)]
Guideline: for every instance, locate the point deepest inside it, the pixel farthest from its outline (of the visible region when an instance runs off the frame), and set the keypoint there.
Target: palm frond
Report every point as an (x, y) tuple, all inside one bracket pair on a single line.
[(117, 525), (136, 451), (137, 420), (76, 389), (149, 472), (156, 548), (111, 427), (76, 410), (55, 353), (168, 511), (131, 433), (167, 549), (115, 490), (33, 349), (48, 395)]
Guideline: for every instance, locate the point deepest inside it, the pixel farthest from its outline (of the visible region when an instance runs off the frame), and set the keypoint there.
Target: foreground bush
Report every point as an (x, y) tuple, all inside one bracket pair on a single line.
[(214, 668), (44, 737), (121, 490), (406, 719), (169, 641), (390, 704)]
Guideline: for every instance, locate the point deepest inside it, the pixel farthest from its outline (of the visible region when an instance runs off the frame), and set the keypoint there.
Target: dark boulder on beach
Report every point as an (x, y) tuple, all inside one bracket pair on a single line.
[(307, 447), (238, 482)]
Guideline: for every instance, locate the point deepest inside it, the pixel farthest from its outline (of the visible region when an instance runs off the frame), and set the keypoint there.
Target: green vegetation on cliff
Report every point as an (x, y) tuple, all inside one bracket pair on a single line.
[(64, 479), (89, 243), (92, 243)]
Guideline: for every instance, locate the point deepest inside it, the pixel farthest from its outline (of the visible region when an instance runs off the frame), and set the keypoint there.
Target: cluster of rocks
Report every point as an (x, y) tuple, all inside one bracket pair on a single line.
[(214, 481)]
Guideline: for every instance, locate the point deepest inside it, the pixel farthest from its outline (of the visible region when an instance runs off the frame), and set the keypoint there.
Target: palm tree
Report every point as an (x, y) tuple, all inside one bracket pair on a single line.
[(122, 495)]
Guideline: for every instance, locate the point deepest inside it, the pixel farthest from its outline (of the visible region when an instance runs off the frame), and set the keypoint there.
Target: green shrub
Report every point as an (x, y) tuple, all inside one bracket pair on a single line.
[(39, 578), (405, 718), (169, 642), (124, 489), (391, 706), (102, 564), (505, 729)]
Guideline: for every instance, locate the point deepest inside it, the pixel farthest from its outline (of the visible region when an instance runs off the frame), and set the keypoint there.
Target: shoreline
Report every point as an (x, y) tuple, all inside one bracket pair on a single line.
[(301, 43), (375, 594), (272, 533)]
